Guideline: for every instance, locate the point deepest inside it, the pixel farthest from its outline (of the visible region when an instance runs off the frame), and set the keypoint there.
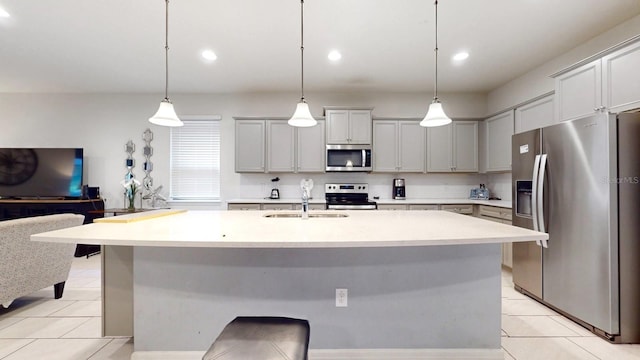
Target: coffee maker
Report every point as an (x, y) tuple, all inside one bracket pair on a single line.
[(398, 189)]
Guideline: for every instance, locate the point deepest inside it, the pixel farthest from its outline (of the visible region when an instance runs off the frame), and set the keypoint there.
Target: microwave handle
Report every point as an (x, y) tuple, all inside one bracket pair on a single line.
[(364, 158)]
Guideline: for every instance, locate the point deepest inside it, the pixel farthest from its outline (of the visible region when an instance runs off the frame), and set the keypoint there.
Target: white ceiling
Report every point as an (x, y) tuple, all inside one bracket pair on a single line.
[(387, 45)]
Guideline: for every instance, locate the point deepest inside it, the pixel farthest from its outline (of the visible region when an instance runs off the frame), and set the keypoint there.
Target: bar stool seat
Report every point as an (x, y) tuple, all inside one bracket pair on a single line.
[(261, 338)]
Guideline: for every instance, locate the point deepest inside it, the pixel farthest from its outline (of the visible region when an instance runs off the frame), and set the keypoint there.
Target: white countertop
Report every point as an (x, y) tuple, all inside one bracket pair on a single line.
[(498, 203), (250, 229), (275, 201)]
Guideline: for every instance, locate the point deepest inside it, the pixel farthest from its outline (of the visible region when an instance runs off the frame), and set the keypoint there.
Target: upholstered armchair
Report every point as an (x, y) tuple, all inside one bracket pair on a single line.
[(27, 266)]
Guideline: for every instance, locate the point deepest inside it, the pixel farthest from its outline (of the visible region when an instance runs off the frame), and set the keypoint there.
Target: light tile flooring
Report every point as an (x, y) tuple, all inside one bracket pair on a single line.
[(39, 327)]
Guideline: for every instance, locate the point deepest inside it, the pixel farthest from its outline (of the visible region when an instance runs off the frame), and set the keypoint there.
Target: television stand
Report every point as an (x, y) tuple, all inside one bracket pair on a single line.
[(27, 207)]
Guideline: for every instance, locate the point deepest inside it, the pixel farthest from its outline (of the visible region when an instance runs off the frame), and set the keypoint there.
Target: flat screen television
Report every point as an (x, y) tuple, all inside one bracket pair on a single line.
[(41, 172)]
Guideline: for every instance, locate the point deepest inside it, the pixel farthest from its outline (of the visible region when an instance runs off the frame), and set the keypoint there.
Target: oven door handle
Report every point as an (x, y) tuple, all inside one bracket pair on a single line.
[(364, 158)]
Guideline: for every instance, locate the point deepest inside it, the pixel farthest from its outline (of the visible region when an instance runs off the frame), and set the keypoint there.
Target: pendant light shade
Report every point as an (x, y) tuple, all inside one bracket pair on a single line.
[(302, 117), (166, 115), (435, 115)]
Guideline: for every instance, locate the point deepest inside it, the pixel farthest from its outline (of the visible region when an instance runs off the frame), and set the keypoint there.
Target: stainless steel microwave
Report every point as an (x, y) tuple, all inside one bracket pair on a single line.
[(348, 157)]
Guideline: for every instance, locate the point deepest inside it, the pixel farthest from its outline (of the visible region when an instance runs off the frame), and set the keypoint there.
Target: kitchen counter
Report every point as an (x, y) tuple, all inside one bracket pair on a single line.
[(231, 229), (275, 201), (422, 283), (427, 201), (497, 203)]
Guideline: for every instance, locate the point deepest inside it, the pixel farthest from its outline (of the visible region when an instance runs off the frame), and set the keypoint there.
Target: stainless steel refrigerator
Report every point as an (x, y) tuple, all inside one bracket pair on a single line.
[(579, 181)]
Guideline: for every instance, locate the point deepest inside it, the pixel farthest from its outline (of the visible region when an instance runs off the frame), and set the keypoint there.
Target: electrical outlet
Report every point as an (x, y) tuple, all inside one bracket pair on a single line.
[(342, 297)]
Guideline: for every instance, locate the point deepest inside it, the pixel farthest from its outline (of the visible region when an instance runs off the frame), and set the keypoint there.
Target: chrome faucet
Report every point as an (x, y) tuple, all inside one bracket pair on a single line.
[(305, 204)]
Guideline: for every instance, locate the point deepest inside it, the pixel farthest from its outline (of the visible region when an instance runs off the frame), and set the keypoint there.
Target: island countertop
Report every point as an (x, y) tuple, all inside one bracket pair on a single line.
[(251, 229)]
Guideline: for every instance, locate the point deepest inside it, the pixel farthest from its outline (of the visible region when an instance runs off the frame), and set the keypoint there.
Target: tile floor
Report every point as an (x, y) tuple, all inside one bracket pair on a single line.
[(39, 327)]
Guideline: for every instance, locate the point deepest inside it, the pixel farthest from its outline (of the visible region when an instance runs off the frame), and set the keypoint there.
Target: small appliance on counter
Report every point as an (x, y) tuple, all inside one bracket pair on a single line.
[(481, 193), (398, 189), (275, 193)]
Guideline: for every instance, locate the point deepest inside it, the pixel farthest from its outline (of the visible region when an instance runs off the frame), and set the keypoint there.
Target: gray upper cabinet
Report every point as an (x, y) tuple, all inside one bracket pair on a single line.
[(453, 148), (610, 83), (621, 79), (534, 115), (579, 92), (398, 146), (280, 146), (274, 146), (499, 130), (348, 126), (311, 148), (250, 145)]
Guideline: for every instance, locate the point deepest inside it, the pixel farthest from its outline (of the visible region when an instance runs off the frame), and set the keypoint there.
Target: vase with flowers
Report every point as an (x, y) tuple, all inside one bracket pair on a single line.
[(131, 188)]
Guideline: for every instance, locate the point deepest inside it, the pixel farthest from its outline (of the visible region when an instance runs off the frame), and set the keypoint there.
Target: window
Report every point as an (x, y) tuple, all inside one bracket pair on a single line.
[(195, 159)]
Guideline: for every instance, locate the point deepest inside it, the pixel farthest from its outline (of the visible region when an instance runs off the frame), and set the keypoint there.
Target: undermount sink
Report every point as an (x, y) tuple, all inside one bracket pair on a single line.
[(299, 215)]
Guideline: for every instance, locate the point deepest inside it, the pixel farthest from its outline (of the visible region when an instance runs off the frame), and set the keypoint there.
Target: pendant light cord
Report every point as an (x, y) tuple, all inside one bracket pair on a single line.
[(302, 50), (166, 53), (435, 93)]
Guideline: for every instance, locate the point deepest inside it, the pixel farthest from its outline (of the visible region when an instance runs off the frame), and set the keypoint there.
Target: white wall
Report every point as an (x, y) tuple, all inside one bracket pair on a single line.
[(537, 81), (103, 123)]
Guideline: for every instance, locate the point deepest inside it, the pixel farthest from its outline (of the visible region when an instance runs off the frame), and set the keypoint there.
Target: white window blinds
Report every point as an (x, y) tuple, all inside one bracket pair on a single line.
[(195, 159)]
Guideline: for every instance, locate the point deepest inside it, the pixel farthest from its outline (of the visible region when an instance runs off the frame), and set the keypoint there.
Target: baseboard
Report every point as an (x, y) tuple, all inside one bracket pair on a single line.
[(351, 354), (406, 354), (167, 355)]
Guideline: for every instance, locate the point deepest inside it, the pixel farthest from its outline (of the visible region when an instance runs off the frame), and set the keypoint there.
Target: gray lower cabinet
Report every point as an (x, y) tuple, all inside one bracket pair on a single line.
[(466, 209), (392, 206), (247, 206), (423, 207), (273, 206), (453, 147), (503, 216), (399, 146)]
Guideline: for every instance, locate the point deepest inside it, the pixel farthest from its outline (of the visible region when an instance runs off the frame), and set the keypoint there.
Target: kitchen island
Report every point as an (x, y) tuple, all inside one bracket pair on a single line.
[(419, 283)]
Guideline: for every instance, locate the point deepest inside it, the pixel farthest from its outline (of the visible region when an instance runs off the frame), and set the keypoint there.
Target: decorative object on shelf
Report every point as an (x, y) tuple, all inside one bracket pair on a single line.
[(435, 115), (149, 193), (147, 167), (129, 148), (302, 116), (131, 188), (166, 115), (155, 198), (129, 177)]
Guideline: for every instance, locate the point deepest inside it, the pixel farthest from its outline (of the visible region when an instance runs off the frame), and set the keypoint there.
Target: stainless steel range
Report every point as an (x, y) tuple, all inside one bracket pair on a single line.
[(348, 197)]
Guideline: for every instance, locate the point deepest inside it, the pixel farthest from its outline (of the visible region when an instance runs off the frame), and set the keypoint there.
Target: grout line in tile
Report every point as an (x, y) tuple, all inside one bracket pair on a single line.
[(20, 348), (583, 348)]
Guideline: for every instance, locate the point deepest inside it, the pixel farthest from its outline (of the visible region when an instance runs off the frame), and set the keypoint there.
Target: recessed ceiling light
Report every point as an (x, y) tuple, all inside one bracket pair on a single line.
[(4, 13), (461, 56), (209, 55), (334, 55)]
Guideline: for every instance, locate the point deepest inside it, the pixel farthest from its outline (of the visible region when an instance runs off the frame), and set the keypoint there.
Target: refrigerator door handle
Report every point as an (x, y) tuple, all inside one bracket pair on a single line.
[(534, 197), (540, 194)]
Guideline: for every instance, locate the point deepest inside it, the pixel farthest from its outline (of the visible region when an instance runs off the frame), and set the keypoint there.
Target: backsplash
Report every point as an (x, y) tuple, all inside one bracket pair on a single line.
[(417, 185)]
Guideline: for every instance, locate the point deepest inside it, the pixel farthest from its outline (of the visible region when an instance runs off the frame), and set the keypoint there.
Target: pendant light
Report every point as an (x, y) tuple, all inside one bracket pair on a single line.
[(435, 115), (166, 115), (302, 116)]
